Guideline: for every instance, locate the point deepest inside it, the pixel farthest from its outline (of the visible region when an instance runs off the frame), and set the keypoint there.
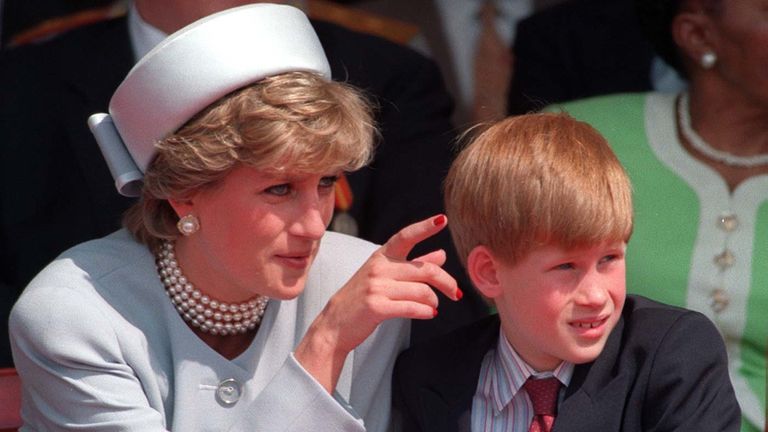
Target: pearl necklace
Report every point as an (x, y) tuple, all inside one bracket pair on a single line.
[(201, 311), (718, 155)]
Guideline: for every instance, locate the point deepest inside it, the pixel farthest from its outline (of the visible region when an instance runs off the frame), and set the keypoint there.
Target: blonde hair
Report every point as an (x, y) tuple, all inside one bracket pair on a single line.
[(298, 121), (535, 179)]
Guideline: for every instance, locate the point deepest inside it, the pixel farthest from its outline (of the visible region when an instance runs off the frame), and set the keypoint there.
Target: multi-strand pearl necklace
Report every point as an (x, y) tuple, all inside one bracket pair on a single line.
[(699, 144), (201, 311)]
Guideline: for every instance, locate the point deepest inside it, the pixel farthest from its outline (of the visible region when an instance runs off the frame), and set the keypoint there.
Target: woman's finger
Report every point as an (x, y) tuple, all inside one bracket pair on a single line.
[(417, 271), (401, 244), (437, 257), (409, 309), (411, 291)]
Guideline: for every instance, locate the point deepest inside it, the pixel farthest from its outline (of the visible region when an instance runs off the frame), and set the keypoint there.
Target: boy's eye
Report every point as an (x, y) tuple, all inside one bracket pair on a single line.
[(609, 258), (564, 266), (279, 190)]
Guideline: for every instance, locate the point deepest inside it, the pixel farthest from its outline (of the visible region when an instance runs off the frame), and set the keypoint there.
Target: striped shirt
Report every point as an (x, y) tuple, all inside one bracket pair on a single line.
[(500, 403)]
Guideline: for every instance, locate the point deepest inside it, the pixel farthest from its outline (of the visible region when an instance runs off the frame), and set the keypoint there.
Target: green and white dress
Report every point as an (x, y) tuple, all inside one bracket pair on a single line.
[(696, 243)]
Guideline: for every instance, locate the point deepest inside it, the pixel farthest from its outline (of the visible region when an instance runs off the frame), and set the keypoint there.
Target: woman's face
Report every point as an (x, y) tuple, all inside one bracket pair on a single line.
[(741, 44), (259, 233)]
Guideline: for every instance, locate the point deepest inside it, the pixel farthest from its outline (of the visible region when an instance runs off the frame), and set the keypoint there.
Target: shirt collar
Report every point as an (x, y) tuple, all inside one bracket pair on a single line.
[(509, 372), (143, 36)]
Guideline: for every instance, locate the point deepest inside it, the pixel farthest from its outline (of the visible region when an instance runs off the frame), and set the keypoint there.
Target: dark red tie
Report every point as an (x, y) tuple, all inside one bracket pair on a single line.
[(543, 394)]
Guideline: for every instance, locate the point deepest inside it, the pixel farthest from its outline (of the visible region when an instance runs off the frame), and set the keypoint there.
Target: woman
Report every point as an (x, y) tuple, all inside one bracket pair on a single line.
[(224, 304), (699, 166)]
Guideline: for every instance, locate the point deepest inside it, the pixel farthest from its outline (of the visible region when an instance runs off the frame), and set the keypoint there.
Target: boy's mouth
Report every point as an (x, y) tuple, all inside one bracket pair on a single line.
[(589, 323)]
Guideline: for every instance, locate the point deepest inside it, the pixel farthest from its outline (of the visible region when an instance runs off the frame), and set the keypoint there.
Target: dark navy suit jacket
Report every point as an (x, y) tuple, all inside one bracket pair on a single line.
[(662, 369)]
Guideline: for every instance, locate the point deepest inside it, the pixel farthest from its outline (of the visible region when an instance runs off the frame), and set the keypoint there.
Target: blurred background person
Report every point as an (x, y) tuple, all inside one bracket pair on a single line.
[(22, 21), (583, 48), (698, 161), (469, 39)]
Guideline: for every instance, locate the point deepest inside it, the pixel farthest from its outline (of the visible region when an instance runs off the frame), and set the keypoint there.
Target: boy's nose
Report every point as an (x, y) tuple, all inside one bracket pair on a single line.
[(592, 292)]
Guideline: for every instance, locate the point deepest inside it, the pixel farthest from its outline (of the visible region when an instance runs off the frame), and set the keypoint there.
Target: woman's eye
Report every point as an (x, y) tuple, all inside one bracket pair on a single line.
[(328, 181), (564, 266), (279, 190)]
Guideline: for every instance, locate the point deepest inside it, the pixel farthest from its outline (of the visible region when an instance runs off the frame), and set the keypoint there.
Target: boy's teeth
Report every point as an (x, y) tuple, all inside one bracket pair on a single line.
[(586, 325)]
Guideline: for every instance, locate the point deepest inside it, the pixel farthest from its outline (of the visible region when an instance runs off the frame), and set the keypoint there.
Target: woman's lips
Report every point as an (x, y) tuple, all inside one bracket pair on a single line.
[(295, 260)]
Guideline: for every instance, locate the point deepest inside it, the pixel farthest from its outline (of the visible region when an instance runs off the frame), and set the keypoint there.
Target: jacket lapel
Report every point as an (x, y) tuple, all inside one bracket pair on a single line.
[(446, 397), (447, 412), (595, 396)]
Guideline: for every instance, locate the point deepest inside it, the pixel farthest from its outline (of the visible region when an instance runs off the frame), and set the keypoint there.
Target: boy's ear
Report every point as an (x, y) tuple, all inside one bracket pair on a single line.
[(482, 268)]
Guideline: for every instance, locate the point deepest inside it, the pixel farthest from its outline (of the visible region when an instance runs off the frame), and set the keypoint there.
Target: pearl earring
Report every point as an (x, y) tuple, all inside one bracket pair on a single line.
[(708, 59), (188, 225)]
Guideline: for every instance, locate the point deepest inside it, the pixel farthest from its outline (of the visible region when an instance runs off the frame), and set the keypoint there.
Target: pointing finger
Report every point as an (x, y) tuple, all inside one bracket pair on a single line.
[(401, 244)]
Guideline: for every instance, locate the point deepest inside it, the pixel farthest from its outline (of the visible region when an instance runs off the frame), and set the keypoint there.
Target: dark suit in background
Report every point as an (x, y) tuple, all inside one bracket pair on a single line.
[(426, 14), (662, 369), (578, 49), (56, 190), (20, 15)]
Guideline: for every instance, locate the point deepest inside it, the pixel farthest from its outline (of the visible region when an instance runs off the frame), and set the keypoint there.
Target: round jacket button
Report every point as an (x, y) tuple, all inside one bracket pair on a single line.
[(728, 222), (228, 392)]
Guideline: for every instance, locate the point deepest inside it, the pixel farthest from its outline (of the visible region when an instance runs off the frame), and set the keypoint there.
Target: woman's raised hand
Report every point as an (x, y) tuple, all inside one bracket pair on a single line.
[(387, 286)]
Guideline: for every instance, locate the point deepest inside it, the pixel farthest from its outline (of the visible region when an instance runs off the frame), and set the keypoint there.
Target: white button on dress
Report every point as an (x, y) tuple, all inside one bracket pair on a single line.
[(228, 392)]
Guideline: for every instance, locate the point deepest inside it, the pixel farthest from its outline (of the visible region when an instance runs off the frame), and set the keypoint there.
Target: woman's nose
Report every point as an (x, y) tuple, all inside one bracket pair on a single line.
[(312, 220)]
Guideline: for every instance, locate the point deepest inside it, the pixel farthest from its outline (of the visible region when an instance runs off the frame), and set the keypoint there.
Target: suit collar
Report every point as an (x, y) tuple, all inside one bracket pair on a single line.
[(590, 395)]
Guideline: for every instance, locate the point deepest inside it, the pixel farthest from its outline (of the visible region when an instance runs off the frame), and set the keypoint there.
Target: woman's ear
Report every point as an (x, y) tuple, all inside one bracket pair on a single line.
[(182, 207), (482, 268), (693, 32)]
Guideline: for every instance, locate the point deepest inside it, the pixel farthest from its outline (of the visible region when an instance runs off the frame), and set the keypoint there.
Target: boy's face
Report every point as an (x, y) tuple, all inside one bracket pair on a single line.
[(558, 304)]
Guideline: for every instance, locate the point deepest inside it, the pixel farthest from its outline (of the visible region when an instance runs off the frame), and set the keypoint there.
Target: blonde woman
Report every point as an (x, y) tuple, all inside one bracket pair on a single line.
[(224, 304)]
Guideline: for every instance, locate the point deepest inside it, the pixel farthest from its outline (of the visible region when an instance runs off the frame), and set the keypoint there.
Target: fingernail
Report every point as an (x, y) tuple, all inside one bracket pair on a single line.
[(438, 221), (434, 312), (459, 294)]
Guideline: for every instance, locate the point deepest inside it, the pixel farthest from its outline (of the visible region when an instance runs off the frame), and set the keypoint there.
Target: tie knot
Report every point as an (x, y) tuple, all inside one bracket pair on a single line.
[(543, 394)]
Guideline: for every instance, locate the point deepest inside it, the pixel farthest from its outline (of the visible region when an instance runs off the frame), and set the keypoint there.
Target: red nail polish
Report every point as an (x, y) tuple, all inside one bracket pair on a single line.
[(459, 294), (434, 312), (440, 220)]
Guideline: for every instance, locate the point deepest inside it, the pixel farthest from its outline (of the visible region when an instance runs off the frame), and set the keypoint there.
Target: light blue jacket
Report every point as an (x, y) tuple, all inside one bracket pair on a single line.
[(99, 345)]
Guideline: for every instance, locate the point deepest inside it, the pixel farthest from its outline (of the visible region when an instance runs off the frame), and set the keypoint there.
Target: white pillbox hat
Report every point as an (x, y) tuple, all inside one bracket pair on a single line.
[(193, 68)]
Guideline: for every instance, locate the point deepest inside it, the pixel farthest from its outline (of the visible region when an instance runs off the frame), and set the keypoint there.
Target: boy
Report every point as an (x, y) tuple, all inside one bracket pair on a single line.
[(540, 210)]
